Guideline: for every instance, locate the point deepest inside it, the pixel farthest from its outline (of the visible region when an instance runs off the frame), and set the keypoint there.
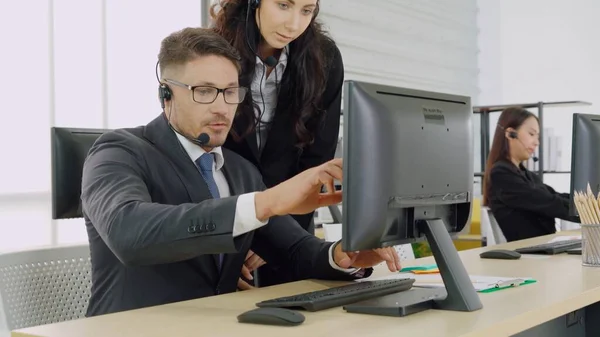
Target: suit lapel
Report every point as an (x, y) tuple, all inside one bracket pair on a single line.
[(163, 137), (160, 134)]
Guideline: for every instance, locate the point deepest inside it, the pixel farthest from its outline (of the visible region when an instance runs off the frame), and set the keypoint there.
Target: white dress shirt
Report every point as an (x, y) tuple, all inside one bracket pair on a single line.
[(265, 92), (245, 211)]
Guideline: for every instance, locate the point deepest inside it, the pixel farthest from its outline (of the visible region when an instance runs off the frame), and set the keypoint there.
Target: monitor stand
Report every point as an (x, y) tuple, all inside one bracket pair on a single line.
[(458, 295)]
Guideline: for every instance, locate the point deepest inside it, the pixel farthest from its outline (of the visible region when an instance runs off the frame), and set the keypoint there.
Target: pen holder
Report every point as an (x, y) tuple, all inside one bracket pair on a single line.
[(590, 245)]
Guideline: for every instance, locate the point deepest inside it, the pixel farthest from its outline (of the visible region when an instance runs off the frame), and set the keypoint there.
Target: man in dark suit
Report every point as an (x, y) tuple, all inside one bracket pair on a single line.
[(171, 215)]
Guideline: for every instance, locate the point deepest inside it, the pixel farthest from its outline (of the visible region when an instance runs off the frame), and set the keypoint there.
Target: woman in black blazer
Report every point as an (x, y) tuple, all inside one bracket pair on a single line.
[(522, 204), (295, 71)]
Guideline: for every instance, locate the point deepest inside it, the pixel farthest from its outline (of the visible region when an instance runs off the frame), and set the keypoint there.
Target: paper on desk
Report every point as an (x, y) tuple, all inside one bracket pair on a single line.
[(423, 267), (480, 283), (332, 232), (565, 238)]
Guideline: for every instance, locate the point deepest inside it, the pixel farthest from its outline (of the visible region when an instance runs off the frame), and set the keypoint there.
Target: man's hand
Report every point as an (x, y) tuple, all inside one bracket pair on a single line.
[(252, 262), (302, 193), (367, 258)]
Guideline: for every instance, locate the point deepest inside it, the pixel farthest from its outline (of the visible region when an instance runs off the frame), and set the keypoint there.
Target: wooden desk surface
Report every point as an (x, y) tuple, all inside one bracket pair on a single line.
[(564, 285)]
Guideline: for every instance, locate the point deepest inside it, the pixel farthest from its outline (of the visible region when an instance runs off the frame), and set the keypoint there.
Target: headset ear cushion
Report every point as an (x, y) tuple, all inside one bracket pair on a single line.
[(164, 92)]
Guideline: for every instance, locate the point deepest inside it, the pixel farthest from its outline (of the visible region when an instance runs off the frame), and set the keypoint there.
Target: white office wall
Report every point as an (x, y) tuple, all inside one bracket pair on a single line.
[(541, 50), (27, 100), (133, 42), (91, 64), (72, 63), (430, 45), (78, 63)]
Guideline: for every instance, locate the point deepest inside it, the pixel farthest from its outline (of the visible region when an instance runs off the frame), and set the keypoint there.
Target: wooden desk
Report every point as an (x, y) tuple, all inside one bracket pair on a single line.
[(563, 286)]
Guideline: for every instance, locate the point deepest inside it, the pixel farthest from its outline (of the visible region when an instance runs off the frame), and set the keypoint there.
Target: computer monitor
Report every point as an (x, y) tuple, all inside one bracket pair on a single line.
[(408, 176), (585, 156), (69, 149)]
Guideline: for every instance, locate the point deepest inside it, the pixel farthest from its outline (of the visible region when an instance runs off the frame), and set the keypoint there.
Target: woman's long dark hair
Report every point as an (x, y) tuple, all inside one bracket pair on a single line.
[(511, 118), (305, 80)]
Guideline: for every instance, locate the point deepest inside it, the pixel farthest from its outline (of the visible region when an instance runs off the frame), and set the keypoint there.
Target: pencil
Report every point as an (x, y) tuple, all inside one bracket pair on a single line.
[(588, 207)]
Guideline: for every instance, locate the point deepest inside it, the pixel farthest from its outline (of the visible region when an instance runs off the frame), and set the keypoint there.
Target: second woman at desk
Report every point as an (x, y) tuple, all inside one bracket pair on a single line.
[(522, 204)]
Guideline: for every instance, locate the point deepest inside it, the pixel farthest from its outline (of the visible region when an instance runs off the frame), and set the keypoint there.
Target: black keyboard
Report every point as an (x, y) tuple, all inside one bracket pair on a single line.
[(339, 296), (551, 248)]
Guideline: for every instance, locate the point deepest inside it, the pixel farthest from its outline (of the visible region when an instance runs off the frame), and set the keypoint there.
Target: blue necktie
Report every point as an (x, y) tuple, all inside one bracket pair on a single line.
[(205, 163)]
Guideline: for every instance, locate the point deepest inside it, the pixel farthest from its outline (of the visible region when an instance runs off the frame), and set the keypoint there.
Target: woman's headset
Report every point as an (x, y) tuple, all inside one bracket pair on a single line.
[(254, 4)]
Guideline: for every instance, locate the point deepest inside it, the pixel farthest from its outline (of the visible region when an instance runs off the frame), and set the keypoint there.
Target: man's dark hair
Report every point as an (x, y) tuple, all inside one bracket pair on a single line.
[(184, 45)]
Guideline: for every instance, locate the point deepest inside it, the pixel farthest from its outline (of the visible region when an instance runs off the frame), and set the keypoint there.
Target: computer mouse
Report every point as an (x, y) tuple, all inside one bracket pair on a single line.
[(503, 254), (272, 316)]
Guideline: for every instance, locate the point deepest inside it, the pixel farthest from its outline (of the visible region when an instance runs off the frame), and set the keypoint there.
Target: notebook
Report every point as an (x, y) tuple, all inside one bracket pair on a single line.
[(483, 284)]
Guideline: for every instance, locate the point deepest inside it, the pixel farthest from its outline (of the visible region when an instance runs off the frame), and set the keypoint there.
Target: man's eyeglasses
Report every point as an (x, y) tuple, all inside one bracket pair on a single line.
[(205, 94)]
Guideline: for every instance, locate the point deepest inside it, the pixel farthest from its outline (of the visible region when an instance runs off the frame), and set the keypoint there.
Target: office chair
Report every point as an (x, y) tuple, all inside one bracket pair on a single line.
[(69, 150), (490, 227), (43, 286)]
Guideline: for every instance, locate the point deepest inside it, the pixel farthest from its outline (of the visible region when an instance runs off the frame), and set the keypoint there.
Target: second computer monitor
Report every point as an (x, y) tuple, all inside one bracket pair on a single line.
[(408, 155), (585, 155)]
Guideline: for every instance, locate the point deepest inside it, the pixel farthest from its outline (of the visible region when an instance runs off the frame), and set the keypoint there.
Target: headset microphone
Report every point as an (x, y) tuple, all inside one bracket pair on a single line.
[(513, 135), (202, 140), (270, 61)]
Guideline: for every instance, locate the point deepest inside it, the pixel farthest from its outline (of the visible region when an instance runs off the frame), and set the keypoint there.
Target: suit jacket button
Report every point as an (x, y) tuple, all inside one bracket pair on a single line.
[(212, 226)]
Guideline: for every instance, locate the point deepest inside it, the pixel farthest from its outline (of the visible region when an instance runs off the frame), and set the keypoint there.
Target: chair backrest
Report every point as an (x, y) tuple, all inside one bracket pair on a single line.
[(44, 286), (486, 227), (69, 150), (496, 228), (490, 227)]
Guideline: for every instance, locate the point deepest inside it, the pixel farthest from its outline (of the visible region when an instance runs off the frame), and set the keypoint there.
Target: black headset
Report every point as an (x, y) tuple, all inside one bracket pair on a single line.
[(164, 92), (270, 61), (511, 134), (254, 4), (515, 135)]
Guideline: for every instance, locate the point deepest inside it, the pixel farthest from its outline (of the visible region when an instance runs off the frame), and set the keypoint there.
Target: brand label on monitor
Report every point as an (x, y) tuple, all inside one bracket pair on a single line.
[(433, 115)]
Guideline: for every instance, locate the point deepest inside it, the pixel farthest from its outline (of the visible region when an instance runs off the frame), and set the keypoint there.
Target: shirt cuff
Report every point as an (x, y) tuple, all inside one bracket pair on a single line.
[(335, 266), (245, 215)]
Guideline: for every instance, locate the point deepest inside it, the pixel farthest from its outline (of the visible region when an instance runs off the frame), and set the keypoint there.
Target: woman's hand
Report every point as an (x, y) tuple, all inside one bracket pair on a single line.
[(252, 262)]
